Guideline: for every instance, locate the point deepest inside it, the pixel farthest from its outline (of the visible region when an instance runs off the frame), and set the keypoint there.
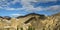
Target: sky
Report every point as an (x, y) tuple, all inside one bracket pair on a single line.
[(22, 7)]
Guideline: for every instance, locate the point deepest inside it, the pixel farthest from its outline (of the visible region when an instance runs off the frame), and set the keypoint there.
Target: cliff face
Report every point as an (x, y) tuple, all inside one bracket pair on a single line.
[(37, 21)]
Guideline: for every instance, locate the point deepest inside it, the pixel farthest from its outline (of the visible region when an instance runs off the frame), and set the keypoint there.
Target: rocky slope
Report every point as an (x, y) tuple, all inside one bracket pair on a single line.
[(37, 21), (41, 22)]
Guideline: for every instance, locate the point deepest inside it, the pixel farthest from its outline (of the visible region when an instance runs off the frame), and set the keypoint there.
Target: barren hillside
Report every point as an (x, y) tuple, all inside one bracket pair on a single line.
[(37, 21)]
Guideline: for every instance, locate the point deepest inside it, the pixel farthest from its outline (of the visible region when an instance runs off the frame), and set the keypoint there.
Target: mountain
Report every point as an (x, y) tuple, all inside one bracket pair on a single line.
[(7, 17), (36, 21), (58, 14), (41, 22)]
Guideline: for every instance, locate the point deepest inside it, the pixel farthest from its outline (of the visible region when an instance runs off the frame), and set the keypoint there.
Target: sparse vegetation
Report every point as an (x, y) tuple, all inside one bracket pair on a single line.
[(21, 28), (30, 28)]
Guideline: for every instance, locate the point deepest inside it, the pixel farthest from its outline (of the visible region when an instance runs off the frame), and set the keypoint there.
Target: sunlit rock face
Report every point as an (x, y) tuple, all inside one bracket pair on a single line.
[(33, 20), (37, 21), (41, 22)]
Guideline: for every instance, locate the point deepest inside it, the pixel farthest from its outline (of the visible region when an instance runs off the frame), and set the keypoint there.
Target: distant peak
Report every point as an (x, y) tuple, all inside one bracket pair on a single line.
[(1, 17), (57, 14), (34, 14)]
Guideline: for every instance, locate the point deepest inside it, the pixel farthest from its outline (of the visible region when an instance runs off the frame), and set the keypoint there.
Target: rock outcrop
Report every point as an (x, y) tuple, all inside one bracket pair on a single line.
[(37, 21)]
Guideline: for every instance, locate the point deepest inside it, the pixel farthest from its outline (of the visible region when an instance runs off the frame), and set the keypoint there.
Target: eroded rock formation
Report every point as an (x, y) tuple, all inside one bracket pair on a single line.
[(37, 21)]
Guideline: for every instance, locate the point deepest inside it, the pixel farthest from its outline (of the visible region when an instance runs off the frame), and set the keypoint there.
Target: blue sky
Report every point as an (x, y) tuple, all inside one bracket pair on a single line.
[(23, 7)]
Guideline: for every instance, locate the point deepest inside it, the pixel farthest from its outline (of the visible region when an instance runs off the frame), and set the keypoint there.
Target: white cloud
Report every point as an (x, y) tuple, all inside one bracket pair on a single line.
[(55, 7), (13, 2), (16, 15), (50, 8), (27, 5), (14, 8), (43, 1)]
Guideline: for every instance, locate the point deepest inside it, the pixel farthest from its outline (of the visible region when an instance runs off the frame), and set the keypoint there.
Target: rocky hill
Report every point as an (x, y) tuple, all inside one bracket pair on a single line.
[(41, 22), (37, 21)]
